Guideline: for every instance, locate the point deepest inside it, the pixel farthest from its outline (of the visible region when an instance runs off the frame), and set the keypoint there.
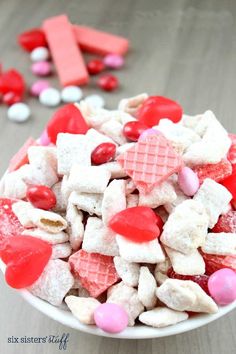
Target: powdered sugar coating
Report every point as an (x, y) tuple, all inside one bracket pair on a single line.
[(53, 284)]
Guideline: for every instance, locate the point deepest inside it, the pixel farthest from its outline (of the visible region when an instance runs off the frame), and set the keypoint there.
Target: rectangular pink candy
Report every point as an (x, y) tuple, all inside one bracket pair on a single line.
[(98, 42), (65, 51)]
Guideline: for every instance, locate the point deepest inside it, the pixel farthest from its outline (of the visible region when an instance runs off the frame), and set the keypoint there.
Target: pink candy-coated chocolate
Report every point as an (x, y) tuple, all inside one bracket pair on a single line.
[(111, 318), (44, 139), (113, 61), (188, 181), (41, 68), (38, 87), (148, 132), (222, 286)]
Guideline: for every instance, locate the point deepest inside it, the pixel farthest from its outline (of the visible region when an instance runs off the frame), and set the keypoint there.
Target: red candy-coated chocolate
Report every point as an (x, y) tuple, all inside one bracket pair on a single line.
[(155, 108), (133, 130), (218, 171), (103, 153), (12, 81), (66, 119), (25, 258), (108, 82), (10, 98), (230, 184), (9, 223), (138, 224), (32, 39), (226, 223), (21, 157), (214, 262), (201, 280), (95, 66), (41, 197)]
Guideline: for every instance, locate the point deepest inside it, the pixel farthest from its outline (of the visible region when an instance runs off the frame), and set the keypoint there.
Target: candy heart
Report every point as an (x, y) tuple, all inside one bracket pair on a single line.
[(25, 258), (155, 108), (138, 224), (9, 223), (12, 81), (32, 39), (66, 119), (230, 184)]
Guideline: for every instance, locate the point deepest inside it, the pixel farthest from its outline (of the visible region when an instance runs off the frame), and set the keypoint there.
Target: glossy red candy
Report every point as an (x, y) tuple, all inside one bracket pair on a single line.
[(138, 224), (230, 184), (10, 98), (214, 262), (32, 39), (201, 280), (108, 82), (103, 153), (12, 81), (66, 119), (41, 197), (133, 130), (95, 66), (25, 258), (9, 223), (155, 108)]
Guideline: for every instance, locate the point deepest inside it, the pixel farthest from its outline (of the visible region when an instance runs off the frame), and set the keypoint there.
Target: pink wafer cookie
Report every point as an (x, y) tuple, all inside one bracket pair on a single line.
[(96, 272), (65, 52), (151, 161)]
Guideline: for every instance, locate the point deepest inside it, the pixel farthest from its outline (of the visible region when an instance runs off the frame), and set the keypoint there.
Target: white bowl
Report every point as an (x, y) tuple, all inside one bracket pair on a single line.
[(61, 315)]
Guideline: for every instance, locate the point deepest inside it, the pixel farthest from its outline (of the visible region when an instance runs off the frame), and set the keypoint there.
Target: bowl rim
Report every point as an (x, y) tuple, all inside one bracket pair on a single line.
[(66, 318)]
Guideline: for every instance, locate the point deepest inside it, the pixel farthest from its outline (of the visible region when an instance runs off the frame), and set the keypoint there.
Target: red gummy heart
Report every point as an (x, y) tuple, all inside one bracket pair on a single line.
[(9, 223), (155, 108), (138, 224), (66, 119), (230, 184), (26, 258), (12, 81), (32, 39)]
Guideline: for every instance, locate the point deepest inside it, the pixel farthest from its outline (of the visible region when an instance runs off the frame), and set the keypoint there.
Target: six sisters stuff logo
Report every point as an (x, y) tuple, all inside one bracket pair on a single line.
[(61, 341)]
